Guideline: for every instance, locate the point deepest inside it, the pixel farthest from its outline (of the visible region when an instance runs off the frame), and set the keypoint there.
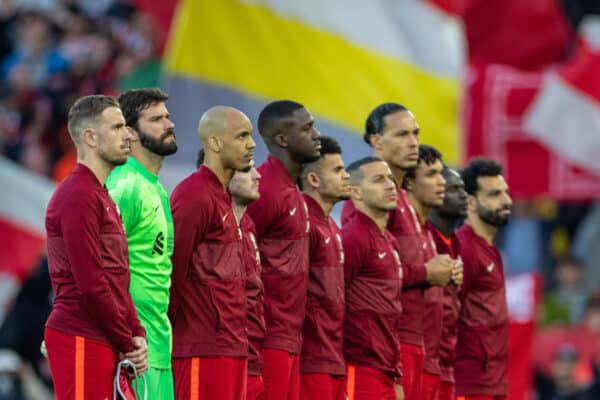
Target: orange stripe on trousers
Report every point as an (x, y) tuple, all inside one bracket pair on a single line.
[(195, 379), (351, 382), (79, 368)]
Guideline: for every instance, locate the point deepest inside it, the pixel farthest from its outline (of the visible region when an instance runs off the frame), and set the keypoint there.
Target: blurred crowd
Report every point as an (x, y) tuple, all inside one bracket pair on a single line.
[(54, 51)]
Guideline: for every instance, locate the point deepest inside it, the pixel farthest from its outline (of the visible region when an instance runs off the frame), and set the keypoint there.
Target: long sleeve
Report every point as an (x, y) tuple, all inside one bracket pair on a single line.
[(81, 234), (187, 220)]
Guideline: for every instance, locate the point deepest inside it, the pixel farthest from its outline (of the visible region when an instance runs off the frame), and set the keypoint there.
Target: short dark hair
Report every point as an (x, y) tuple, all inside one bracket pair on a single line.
[(134, 101), (375, 123), (86, 111), (428, 155), (354, 168), (328, 146), (275, 111), (200, 158), (478, 166)]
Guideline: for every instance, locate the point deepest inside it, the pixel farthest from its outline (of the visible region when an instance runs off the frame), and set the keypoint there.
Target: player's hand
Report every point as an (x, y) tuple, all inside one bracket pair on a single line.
[(457, 272), (139, 356), (439, 270), (399, 392)]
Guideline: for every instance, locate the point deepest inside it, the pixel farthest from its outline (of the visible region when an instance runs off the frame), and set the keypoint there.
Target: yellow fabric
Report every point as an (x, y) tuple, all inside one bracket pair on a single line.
[(250, 48)]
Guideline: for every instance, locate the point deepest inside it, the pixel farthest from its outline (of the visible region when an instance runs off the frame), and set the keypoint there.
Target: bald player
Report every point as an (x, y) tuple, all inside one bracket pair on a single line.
[(282, 228), (207, 305)]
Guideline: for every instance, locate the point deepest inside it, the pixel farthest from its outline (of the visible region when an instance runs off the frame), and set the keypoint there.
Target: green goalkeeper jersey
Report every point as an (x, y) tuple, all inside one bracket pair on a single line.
[(146, 215)]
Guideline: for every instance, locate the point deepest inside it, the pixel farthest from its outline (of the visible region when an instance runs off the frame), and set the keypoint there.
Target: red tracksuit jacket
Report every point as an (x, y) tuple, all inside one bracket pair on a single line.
[(481, 354), (415, 250), (89, 264), (373, 275), (322, 332), (444, 348), (282, 227), (208, 299)]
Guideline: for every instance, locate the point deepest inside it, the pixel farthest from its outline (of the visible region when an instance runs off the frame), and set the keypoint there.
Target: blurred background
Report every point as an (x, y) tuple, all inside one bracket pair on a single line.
[(513, 80)]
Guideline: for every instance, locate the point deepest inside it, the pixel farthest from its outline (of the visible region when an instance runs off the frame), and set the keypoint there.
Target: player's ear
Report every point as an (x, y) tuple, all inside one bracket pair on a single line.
[(313, 180), (472, 203), (281, 140), (89, 136), (215, 144)]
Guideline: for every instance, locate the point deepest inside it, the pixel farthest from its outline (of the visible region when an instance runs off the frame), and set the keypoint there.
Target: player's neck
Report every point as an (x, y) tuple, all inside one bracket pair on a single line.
[(151, 161), (223, 174), (379, 216), (293, 168), (239, 209), (397, 172), (325, 205), (421, 209), (444, 225), (97, 165), (481, 228)]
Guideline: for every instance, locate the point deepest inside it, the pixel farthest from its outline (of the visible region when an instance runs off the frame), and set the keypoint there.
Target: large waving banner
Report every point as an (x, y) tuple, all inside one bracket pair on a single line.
[(340, 58)]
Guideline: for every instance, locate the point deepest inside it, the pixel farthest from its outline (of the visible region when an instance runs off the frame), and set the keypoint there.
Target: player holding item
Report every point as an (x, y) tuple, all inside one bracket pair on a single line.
[(208, 300), (282, 227), (93, 321), (373, 275), (480, 363), (325, 182), (146, 216)]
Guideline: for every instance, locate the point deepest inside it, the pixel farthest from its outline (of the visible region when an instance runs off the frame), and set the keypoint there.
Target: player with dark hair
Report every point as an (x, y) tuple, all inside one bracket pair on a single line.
[(325, 182), (93, 321), (146, 216), (208, 301), (425, 185), (480, 363), (373, 276), (442, 222), (282, 227), (393, 132)]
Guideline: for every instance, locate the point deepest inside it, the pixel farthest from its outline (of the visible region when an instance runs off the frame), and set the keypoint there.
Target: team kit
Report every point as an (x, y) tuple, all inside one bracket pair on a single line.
[(240, 284)]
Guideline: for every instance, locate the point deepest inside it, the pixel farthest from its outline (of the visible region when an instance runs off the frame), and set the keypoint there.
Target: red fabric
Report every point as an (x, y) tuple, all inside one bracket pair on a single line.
[(322, 387), (524, 293), (497, 99), (364, 383), (538, 26), (97, 368), (446, 391), (412, 370), (281, 219), (481, 398), (208, 299), (431, 387), (373, 276), (450, 307), (322, 351), (255, 296), (219, 378), (281, 375), (480, 363), (404, 225), (255, 388), (21, 250), (88, 263)]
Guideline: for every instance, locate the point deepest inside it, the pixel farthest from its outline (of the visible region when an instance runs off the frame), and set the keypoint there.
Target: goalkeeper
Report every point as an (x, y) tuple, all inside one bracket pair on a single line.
[(146, 216)]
